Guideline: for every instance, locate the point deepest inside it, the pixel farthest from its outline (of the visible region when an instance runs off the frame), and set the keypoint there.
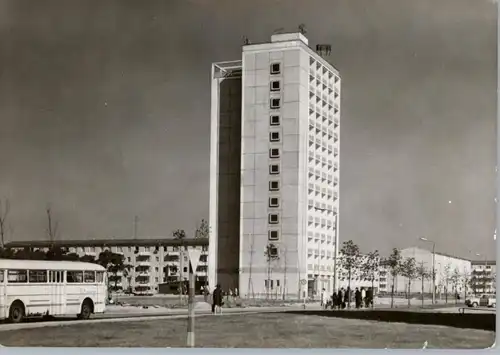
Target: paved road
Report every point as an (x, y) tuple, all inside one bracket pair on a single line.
[(120, 314), (138, 316)]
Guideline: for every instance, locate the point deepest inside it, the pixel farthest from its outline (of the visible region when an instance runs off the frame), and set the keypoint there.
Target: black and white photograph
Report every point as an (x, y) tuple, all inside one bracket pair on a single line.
[(248, 174)]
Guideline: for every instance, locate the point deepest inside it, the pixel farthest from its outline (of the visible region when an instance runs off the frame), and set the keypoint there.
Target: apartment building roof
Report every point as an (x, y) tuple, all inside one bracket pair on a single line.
[(438, 253), (109, 242)]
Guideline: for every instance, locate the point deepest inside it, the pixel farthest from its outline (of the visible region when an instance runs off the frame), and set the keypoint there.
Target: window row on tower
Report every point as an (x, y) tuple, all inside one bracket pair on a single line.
[(275, 147)]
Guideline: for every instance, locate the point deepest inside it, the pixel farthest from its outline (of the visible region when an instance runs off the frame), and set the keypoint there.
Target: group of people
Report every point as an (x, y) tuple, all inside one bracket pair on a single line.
[(341, 299)]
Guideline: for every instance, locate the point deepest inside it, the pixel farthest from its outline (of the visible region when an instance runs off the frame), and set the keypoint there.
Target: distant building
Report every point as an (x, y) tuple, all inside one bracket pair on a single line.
[(484, 273), (153, 261), (451, 275)]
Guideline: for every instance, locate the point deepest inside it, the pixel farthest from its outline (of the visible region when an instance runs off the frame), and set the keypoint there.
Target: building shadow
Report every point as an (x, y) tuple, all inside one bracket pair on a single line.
[(482, 321)]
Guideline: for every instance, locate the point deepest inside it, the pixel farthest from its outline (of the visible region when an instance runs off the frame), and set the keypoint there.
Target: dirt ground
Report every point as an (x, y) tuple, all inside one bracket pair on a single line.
[(253, 331)]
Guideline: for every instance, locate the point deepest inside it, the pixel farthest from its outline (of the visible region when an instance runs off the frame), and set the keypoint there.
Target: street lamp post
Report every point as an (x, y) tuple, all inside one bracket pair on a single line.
[(433, 267)]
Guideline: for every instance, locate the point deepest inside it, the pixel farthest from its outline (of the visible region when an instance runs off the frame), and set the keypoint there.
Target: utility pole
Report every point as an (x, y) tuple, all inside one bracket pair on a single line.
[(194, 257), (433, 268), (284, 273), (181, 272), (190, 331)]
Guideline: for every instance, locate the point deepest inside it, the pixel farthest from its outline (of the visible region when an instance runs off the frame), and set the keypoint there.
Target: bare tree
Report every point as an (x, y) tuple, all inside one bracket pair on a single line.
[(422, 274), (250, 267), (285, 266), (394, 263), (409, 270), (350, 260), (446, 276), (180, 235), (203, 231), (4, 212), (467, 282), (455, 280), (52, 226), (370, 268), (271, 254)]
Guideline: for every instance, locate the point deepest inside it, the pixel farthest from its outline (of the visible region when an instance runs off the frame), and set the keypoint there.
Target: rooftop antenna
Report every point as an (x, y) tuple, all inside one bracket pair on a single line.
[(324, 50), (302, 29)]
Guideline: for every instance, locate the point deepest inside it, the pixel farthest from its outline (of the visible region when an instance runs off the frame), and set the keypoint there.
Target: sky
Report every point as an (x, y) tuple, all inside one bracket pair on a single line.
[(105, 114)]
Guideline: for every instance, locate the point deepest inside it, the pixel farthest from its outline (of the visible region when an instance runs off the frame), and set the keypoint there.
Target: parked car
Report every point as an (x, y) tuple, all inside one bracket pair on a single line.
[(483, 301)]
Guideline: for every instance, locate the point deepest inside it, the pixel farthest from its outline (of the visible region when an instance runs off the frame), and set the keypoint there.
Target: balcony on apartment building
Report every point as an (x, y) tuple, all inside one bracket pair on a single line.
[(142, 269), (202, 269), (143, 260), (171, 259)]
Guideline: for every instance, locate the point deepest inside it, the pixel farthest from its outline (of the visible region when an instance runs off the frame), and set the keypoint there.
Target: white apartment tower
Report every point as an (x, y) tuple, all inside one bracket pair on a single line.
[(274, 180)]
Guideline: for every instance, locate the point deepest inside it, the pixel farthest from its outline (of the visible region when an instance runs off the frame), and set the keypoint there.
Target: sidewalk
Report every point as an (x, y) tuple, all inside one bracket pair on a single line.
[(200, 307)]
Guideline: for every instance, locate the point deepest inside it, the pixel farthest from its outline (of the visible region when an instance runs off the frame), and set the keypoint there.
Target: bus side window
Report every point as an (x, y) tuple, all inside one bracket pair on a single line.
[(17, 276), (2, 276), (100, 277), (74, 276), (89, 276)]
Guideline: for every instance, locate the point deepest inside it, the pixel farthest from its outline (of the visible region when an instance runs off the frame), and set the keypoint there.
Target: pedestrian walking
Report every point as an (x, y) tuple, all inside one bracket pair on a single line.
[(341, 298), (363, 296), (369, 297), (334, 300), (357, 298), (347, 297), (217, 300), (324, 298)]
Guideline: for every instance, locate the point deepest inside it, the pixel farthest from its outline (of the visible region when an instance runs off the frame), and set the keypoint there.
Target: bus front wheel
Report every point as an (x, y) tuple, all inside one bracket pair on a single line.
[(16, 312), (86, 310)]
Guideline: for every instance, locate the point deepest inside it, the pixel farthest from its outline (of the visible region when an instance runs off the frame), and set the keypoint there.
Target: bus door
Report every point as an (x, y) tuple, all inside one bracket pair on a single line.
[(60, 299), (3, 295), (101, 289)]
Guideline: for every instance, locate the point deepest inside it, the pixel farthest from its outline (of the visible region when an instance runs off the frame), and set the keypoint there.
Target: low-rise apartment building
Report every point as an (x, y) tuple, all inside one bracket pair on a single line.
[(451, 273), (484, 274), (151, 261)]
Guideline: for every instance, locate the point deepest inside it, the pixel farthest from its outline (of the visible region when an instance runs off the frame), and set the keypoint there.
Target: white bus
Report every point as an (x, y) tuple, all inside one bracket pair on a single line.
[(38, 288)]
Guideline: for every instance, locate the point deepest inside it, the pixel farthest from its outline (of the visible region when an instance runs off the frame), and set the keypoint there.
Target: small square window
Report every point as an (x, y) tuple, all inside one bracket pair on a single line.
[(275, 85), (275, 102), (274, 136), (274, 202), (274, 185), (273, 218), (273, 235), (274, 120), (274, 169), (275, 68), (273, 253), (274, 153)]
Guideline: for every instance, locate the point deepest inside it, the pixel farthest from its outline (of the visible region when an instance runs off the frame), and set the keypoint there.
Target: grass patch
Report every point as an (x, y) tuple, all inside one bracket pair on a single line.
[(253, 331)]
